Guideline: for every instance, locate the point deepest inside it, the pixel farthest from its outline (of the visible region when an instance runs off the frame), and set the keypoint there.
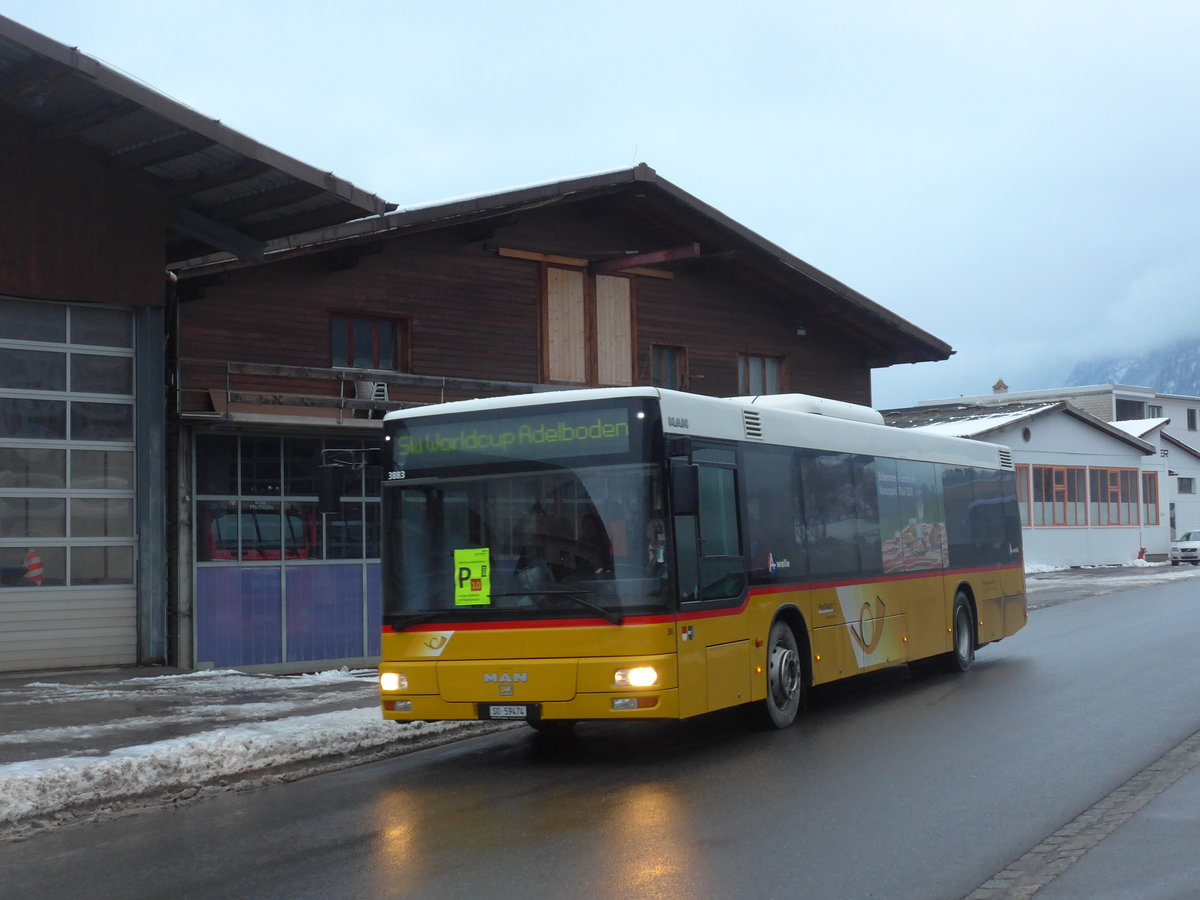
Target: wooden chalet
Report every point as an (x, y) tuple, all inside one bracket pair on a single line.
[(612, 279)]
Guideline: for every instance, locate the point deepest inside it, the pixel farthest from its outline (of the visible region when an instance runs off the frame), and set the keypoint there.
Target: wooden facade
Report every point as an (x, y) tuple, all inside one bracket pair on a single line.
[(537, 298)]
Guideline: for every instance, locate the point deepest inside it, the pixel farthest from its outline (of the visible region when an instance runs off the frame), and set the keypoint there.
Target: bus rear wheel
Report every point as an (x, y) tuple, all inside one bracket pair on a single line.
[(962, 657), (785, 679)]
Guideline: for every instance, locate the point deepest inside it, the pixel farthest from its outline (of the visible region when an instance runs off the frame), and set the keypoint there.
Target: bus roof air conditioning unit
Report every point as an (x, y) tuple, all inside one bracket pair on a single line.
[(818, 406)]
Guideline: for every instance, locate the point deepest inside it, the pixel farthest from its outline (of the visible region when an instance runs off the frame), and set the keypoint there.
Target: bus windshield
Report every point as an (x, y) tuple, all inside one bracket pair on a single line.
[(559, 542)]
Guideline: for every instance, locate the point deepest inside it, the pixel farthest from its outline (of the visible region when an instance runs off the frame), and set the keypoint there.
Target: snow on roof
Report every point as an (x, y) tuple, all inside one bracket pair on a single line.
[(964, 422), (1140, 427)]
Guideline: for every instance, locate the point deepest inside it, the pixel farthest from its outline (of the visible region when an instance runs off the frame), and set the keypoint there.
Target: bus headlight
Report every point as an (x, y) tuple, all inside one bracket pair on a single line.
[(638, 676), (392, 681)]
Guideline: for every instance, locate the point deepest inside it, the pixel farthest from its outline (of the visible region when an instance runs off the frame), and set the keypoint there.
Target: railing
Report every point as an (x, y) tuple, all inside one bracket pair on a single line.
[(207, 388)]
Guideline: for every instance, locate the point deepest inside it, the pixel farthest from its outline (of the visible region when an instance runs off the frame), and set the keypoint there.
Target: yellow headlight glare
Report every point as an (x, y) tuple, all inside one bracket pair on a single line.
[(392, 681), (636, 677)]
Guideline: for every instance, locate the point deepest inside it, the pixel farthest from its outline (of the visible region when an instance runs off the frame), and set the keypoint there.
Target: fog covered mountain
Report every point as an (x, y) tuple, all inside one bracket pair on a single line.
[(1170, 369)]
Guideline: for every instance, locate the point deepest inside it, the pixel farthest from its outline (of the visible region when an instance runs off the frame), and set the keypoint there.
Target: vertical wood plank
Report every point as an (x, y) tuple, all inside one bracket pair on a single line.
[(565, 326), (614, 330)]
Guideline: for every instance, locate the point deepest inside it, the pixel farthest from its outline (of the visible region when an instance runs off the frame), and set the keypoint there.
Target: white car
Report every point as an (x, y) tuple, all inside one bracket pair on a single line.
[(1186, 548)]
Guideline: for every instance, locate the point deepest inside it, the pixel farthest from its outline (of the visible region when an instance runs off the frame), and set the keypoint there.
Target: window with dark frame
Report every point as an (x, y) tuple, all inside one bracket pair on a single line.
[(759, 374), (1129, 410), (366, 343), (668, 367)]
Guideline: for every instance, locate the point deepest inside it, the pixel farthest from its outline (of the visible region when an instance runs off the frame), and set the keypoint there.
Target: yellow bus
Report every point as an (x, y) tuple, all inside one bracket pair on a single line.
[(637, 553)]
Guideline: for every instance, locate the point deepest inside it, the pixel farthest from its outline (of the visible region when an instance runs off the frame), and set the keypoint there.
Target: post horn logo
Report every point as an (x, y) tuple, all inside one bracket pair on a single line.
[(869, 629)]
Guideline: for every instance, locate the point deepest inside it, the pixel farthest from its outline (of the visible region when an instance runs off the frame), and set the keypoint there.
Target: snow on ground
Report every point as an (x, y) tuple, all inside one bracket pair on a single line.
[(196, 730), (230, 725), (1105, 579)]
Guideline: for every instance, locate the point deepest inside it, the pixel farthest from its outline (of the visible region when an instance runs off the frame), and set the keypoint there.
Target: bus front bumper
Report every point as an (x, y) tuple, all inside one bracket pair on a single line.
[(647, 705)]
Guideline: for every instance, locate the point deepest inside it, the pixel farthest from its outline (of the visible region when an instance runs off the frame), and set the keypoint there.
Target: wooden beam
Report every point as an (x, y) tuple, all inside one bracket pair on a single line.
[(542, 257), (579, 262), (649, 273), (654, 257)]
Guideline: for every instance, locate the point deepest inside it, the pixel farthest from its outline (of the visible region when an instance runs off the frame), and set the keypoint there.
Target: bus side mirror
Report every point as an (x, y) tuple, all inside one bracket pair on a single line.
[(685, 490), (330, 486)]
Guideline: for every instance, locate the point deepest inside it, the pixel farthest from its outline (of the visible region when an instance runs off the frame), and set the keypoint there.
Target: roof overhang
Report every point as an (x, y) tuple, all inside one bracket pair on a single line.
[(642, 195), (230, 193), (1187, 448)]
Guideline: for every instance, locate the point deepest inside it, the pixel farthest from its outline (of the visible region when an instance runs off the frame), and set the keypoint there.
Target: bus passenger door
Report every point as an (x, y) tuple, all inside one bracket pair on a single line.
[(714, 654)]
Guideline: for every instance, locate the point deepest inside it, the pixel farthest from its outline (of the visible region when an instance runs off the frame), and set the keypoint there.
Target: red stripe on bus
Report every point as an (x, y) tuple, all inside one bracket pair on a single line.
[(511, 625)]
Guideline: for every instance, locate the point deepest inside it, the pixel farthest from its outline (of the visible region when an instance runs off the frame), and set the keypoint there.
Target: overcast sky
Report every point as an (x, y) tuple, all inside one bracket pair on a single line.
[(1018, 179)]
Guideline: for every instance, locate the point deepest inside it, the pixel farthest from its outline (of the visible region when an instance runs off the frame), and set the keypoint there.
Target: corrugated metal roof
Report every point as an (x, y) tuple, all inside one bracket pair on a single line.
[(232, 193)]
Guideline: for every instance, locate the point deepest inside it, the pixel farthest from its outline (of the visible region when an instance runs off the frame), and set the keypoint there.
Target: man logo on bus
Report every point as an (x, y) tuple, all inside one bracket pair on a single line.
[(870, 628), (505, 677)]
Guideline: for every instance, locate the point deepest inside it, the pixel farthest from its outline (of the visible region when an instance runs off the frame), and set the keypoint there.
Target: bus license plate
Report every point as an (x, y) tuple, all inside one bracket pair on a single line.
[(518, 711)]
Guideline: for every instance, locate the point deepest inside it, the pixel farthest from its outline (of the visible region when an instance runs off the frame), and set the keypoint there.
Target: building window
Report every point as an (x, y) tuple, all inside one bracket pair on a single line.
[(668, 367), (361, 343), (1128, 410), (1155, 412), (1114, 496), (1023, 493), (1059, 496), (256, 500), (1187, 485), (1191, 419), (1149, 498), (67, 445), (759, 374)]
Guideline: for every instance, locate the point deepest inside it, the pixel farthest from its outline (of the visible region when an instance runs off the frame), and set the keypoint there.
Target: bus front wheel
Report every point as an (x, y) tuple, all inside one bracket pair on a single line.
[(785, 679), (962, 656)]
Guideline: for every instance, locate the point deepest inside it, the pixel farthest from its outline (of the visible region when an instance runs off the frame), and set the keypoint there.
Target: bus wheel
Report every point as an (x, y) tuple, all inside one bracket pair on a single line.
[(963, 655), (785, 679)]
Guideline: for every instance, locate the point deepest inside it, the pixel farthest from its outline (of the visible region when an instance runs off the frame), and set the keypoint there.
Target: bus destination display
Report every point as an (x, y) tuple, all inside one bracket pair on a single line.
[(421, 446)]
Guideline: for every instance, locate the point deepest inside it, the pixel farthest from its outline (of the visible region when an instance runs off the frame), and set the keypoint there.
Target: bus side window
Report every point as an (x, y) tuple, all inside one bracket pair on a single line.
[(722, 569)]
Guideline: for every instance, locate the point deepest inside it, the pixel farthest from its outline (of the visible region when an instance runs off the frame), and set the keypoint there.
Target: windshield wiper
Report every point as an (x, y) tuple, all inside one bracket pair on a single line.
[(609, 614)]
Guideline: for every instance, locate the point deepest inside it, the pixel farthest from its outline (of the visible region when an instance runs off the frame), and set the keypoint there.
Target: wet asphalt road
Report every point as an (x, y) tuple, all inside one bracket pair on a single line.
[(892, 785)]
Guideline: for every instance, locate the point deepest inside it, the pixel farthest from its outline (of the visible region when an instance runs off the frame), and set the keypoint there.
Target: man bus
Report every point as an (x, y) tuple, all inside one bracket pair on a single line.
[(634, 553)]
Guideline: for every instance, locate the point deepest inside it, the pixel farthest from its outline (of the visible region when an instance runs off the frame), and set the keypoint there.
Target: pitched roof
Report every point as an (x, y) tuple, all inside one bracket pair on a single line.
[(1141, 427), (673, 216), (1187, 448), (231, 192), (972, 420)]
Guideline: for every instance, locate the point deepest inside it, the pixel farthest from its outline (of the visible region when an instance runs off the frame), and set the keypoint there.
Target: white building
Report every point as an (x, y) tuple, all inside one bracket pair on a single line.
[(1179, 445), (1090, 491)]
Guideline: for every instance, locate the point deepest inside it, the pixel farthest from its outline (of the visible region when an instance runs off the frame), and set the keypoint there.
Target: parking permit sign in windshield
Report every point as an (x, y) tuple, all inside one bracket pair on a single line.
[(472, 578)]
